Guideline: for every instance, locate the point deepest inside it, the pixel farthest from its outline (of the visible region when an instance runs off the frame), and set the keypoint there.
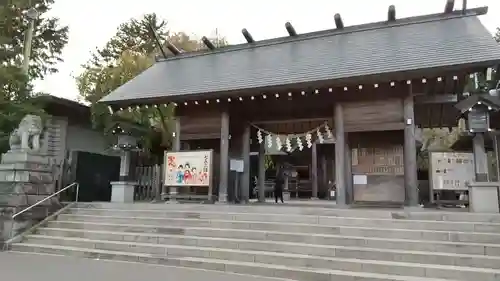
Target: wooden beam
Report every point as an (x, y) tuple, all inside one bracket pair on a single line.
[(338, 21), (247, 35), (157, 40), (287, 121), (172, 48), (426, 99), (290, 29), (448, 8), (207, 43), (391, 14)]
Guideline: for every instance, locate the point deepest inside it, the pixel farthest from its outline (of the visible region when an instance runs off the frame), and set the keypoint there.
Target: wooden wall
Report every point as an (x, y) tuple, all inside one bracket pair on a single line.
[(378, 115), (200, 127), (379, 157)]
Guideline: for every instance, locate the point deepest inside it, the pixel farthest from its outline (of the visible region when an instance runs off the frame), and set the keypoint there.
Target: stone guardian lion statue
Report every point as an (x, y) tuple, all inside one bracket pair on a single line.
[(27, 135)]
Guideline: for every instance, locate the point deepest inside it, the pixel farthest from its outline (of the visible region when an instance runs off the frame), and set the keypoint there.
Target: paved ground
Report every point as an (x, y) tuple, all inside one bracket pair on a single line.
[(30, 267)]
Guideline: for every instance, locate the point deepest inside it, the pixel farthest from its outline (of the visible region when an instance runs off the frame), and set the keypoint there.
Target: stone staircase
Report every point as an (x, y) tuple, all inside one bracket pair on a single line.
[(298, 243)]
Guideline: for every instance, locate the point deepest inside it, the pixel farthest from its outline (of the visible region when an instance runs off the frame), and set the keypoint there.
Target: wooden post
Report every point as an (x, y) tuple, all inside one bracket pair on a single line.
[(496, 146), (245, 178), (262, 172), (324, 175), (314, 171), (480, 158), (348, 173), (340, 155), (176, 146), (224, 157), (156, 182), (410, 151)]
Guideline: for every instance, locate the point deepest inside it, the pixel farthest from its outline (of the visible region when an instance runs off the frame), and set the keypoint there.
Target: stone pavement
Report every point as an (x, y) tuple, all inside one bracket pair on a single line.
[(30, 267)]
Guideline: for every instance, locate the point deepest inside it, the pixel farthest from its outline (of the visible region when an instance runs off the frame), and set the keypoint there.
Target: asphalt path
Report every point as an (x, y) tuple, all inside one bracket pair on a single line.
[(38, 267)]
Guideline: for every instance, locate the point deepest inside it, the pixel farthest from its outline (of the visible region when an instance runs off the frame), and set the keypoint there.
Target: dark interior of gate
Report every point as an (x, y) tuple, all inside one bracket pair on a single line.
[(372, 84)]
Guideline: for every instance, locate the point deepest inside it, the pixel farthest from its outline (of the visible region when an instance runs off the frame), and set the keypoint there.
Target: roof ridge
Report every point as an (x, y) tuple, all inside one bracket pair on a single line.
[(335, 31)]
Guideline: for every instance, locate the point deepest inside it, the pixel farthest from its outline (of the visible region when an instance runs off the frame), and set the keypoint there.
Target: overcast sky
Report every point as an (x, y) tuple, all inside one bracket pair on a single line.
[(92, 22)]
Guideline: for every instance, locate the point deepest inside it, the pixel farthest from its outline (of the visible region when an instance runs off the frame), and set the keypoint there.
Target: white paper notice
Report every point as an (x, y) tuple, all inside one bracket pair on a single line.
[(360, 179)]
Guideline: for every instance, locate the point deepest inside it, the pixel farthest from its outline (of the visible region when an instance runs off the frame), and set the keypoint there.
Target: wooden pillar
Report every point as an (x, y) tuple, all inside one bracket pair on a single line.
[(348, 173), (340, 155), (176, 146), (245, 178), (224, 157), (410, 151), (314, 171), (496, 146), (331, 170), (480, 158), (324, 175), (262, 172)]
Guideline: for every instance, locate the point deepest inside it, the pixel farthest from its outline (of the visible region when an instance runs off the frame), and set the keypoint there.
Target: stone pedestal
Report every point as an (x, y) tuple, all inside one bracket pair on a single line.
[(483, 197), (286, 191), (172, 195), (122, 191), (286, 196), (25, 179)]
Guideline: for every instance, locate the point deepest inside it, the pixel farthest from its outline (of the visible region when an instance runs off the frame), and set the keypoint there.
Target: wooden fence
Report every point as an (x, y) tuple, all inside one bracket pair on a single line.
[(149, 183)]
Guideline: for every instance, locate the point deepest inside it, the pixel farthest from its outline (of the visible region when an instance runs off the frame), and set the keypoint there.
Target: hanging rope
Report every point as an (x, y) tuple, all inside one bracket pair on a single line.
[(291, 135)]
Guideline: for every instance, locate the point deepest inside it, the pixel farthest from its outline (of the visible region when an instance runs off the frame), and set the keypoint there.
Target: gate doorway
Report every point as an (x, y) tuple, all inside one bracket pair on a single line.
[(94, 173)]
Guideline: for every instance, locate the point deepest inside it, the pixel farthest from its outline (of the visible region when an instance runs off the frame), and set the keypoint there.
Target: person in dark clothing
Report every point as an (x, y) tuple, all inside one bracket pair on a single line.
[(279, 182)]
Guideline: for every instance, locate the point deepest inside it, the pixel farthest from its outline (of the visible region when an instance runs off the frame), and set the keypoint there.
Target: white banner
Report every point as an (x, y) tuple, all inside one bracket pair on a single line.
[(188, 168)]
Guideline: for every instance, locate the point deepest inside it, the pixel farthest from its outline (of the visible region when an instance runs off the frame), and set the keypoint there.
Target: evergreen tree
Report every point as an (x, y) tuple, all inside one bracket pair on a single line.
[(129, 52), (49, 38)]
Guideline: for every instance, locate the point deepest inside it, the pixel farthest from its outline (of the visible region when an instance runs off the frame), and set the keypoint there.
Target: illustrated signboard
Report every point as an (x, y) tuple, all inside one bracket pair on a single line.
[(451, 170), (188, 168)]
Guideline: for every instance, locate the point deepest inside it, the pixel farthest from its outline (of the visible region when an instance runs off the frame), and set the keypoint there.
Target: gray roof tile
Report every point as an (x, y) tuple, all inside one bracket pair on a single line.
[(329, 55)]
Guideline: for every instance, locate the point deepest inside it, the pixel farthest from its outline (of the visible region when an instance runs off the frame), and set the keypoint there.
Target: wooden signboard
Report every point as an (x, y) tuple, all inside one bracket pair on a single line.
[(450, 170), (188, 168)]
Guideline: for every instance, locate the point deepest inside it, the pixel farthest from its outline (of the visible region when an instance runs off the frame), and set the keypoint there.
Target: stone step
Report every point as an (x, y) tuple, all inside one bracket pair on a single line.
[(276, 241), (418, 259), (283, 234), (293, 218), (252, 268), (261, 225), (302, 262), (418, 214)]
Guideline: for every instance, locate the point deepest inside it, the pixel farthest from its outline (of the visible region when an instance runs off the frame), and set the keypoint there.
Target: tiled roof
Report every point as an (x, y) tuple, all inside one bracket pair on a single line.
[(404, 45)]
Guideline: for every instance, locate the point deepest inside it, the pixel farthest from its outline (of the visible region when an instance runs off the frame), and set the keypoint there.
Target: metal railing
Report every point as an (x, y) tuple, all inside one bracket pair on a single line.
[(47, 198), (38, 203)]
